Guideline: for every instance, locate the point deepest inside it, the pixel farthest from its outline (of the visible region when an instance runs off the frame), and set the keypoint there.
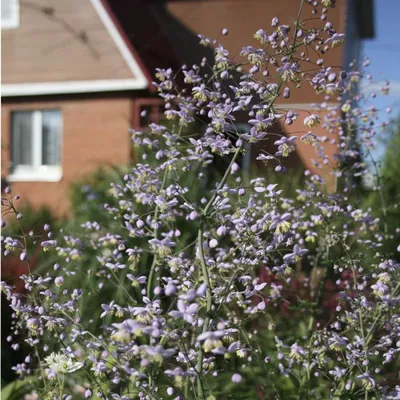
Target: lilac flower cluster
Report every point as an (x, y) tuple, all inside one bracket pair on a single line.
[(185, 314)]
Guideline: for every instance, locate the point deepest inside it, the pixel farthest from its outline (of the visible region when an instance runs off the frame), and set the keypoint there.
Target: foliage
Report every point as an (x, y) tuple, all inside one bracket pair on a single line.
[(11, 268), (384, 195), (192, 279)]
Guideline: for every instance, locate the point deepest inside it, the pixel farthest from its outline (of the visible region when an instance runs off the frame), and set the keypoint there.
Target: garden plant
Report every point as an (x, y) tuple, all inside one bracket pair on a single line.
[(189, 282)]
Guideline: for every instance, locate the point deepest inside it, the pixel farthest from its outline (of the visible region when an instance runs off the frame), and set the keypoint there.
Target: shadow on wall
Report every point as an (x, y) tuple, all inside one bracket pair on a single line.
[(163, 41)]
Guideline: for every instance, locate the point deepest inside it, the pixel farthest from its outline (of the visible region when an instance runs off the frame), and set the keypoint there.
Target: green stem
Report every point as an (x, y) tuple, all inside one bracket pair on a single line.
[(204, 271), (223, 181), (296, 27), (381, 197), (155, 232)]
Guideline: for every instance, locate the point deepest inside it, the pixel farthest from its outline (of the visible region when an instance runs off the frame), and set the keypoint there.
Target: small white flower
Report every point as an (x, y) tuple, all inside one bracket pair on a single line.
[(58, 362)]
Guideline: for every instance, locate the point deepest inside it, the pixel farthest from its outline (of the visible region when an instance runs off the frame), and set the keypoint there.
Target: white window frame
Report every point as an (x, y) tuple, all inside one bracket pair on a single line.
[(13, 22), (36, 172)]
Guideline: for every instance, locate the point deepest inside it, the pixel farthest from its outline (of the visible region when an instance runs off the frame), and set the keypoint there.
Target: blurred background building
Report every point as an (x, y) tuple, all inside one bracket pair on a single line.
[(77, 74)]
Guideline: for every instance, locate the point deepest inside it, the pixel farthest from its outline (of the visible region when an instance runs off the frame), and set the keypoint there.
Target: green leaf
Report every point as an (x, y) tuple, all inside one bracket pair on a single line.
[(17, 389)]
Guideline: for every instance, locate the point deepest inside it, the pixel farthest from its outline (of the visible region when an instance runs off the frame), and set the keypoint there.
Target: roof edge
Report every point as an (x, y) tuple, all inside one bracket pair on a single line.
[(64, 87), (140, 76), (364, 10), (122, 41)]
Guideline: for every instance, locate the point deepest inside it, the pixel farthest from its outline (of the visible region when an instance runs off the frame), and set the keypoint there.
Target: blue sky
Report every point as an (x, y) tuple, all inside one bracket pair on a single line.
[(384, 51)]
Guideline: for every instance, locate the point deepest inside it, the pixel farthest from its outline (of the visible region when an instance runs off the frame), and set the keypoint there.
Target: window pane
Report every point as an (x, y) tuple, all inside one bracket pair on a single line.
[(6, 10), (145, 115), (51, 137), (22, 138), (9, 13)]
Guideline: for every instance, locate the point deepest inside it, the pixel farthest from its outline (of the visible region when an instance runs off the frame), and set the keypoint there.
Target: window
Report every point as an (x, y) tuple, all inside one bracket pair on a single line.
[(36, 145), (9, 14), (146, 111), (146, 115)]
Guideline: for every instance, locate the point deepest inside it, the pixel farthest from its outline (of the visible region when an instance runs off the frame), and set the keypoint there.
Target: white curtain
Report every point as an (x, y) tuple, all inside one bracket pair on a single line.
[(22, 138), (51, 137)]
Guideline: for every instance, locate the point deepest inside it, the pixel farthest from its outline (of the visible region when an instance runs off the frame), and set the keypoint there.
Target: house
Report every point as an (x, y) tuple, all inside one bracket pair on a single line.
[(76, 75)]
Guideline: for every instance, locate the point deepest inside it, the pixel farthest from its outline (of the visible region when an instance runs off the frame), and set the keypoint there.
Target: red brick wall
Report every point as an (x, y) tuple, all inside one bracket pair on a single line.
[(307, 152), (95, 132)]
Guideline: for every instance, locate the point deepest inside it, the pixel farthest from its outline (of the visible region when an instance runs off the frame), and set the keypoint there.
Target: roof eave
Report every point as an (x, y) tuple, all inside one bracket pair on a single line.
[(365, 18), (69, 87)]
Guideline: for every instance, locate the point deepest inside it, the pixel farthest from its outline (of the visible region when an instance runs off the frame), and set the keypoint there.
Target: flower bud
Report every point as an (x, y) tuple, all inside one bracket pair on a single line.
[(170, 289), (213, 243), (59, 281), (236, 378)]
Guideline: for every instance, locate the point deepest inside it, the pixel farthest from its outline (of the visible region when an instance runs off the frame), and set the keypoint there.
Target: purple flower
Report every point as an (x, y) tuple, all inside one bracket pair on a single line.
[(191, 294), (187, 312), (283, 30), (33, 324), (200, 92), (48, 244), (108, 309), (59, 280), (338, 372), (280, 223), (211, 339), (125, 330), (137, 280), (366, 381), (261, 36), (236, 378), (309, 138), (286, 146), (336, 40), (178, 371), (296, 255), (159, 351), (288, 72), (311, 121), (296, 351), (162, 247), (260, 123)]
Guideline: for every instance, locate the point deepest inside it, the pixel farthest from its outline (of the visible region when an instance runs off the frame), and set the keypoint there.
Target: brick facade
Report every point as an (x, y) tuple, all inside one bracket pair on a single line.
[(94, 133), (157, 34)]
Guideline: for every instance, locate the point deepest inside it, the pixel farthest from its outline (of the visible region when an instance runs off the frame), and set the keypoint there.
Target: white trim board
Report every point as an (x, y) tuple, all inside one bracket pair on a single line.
[(304, 106), (27, 89), (87, 86), (52, 175)]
